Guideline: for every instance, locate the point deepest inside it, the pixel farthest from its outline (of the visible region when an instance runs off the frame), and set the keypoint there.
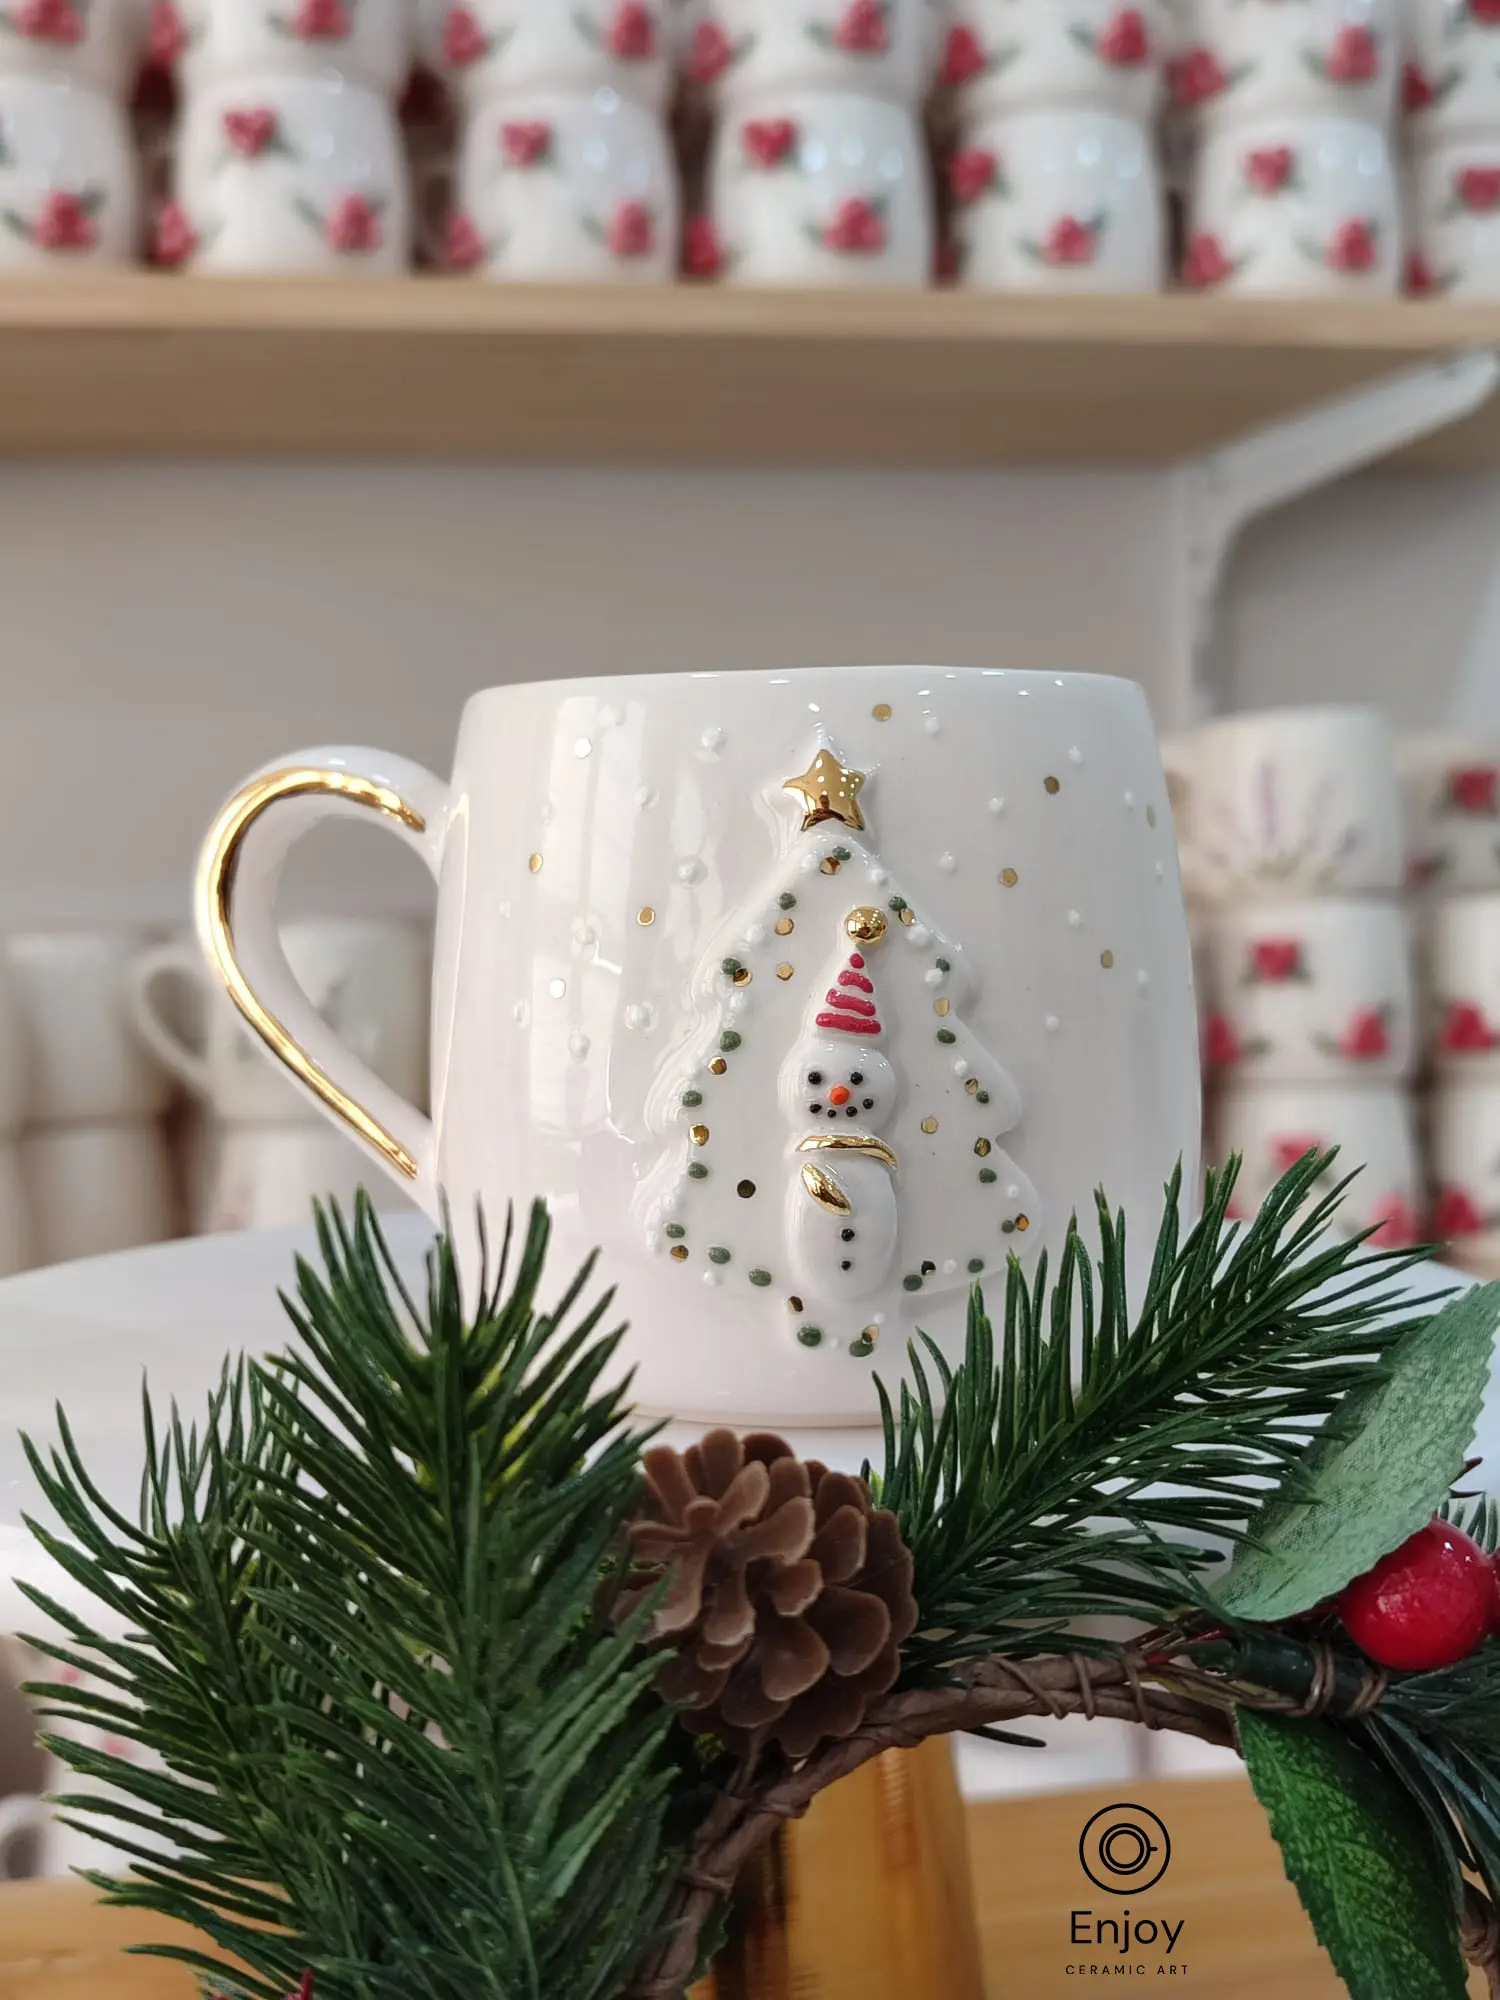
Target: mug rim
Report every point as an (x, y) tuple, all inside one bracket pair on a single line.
[(603, 684)]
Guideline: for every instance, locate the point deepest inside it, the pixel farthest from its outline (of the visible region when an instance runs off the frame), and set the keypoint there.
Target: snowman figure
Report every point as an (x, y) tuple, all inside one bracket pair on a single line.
[(839, 1094)]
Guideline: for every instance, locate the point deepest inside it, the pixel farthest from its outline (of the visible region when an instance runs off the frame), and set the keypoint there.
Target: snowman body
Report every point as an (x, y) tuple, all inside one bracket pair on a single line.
[(842, 1213)]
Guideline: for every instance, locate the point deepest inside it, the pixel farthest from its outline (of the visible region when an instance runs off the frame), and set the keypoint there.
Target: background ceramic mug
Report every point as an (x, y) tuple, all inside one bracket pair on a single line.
[(1272, 1126), (730, 964), (1465, 972), (69, 180)]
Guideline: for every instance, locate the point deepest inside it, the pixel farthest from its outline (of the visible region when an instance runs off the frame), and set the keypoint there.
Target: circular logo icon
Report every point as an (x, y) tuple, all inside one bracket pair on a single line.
[(1125, 1850)]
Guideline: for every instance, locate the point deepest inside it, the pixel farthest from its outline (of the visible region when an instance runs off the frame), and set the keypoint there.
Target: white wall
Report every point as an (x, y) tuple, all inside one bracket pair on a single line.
[(165, 628)]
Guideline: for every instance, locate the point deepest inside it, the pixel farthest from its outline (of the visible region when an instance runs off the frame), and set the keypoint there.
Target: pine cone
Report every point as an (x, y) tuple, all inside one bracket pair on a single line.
[(790, 1593)]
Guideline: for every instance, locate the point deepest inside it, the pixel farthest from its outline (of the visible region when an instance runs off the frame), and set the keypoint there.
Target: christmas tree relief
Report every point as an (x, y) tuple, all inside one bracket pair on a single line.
[(831, 1127)]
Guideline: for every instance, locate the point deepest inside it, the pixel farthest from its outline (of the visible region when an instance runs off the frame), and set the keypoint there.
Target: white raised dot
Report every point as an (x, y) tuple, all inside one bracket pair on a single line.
[(933, 977), (584, 934), (1143, 980), (880, 876), (671, 1203), (1075, 755), (1161, 872), (950, 1266), (690, 871), (931, 724), (638, 1017), (611, 715), (711, 1277), (505, 909), (811, 863), (755, 934), (948, 864), (713, 740), (1075, 920), (1130, 802), (521, 1013), (578, 1046), (1052, 1024), (549, 813), (1059, 683), (583, 747), (557, 988), (739, 1003), (877, 1319), (919, 934), (997, 806), (645, 798), (1012, 1193), (961, 1067)]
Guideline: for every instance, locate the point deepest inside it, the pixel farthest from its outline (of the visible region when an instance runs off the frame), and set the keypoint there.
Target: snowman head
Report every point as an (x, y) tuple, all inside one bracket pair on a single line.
[(841, 1084)]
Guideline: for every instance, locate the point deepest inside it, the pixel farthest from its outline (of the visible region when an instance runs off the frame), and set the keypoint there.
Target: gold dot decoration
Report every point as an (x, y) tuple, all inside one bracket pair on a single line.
[(942, 1007), (983, 1148), (785, 971), (1009, 877), (1107, 960), (1023, 1223), (718, 1066), (929, 1126), (832, 865), (1052, 786), (794, 1304), (680, 1252), (535, 864), (882, 711), (699, 1135), (645, 917), (972, 1086), (908, 915), (866, 925), (786, 927), (744, 976), (746, 1190)]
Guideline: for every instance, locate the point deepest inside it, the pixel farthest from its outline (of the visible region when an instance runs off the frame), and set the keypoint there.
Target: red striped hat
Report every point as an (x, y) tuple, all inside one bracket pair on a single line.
[(850, 1008)]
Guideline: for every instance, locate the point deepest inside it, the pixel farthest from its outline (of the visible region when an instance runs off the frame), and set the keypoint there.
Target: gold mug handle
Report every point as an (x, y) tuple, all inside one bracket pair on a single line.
[(238, 871)]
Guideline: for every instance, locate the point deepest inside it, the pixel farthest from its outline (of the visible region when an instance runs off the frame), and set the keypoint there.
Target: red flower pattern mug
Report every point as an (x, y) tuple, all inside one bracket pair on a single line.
[(1452, 785), (1465, 961), (69, 181), (1455, 211), (1243, 59), (1451, 78), (1009, 55), (488, 49), (1314, 991), (738, 50), (368, 42), (1465, 1145), (1274, 1125), (96, 43)]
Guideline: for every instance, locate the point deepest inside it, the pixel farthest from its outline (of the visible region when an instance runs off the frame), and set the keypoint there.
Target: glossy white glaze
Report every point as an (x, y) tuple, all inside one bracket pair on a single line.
[(1455, 217), (1452, 80), (605, 846), (368, 42), (490, 49), (1011, 55), (1336, 58), (1465, 971), (69, 179), (1451, 780), (741, 51)]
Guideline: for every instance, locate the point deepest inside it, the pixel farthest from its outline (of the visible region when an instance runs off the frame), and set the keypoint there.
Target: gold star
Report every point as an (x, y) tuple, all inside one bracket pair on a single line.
[(829, 792)]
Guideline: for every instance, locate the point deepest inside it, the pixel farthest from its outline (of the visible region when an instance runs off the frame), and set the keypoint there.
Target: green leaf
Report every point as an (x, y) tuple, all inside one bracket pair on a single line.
[(1381, 1468), (1360, 1858)]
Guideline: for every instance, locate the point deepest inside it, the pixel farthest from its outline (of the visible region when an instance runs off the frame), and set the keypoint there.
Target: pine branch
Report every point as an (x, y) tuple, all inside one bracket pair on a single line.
[(1082, 1464), (389, 1711)]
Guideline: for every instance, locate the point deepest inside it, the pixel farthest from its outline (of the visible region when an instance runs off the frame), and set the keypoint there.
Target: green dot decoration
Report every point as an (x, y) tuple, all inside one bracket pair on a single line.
[(898, 904), (982, 1097), (692, 1099), (757, 1277), (732, 966), (787, 900), (946, 1036), (730, 1040), (988, 1176), (810, 1336), (976, 1265), (943, 965), (718, 1254), (675, 1232), (862, 1348), (1008, 1228), (697, 1171), (912, 1281)]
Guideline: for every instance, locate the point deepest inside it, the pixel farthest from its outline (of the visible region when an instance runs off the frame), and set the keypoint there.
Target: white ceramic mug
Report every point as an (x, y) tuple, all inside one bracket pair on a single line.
[(368, 979), (290, 174), (744, 50), (567, 188), (1325, 58), (1451, 779), (1289, 802), (1058, 200), (1452, 74), (1272, 1126), (1465, 971), (87, 1063), (269, 1176), (1465, 1151), (648, 1007), (490, 50), (1455, 219), (93, 1189), (368, 42), (1008, 55), (1294, 205), (1316, 991), (69, 182), (822, 189), (96, 43)]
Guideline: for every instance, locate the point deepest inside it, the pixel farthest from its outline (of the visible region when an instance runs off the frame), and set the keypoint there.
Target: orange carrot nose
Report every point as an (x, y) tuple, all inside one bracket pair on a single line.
[(838, 1094)]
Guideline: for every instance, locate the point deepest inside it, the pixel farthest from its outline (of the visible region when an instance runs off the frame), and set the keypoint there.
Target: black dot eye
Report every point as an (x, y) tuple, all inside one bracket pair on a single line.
[(815, 1076), (869, 1104), (815, 1109), (846, 1265), (847, 1235), (832, 1113), (852, 1112), (857, 1077)]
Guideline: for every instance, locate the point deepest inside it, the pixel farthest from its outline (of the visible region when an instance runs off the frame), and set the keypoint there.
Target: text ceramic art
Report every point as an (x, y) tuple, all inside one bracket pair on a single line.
[(811, 998)]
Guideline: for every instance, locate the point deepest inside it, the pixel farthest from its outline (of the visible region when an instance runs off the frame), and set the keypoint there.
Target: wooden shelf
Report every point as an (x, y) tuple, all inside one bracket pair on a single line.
[(137, 363)]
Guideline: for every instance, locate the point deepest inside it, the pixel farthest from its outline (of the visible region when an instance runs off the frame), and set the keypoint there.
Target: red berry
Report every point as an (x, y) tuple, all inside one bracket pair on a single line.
[(1427, 1604)]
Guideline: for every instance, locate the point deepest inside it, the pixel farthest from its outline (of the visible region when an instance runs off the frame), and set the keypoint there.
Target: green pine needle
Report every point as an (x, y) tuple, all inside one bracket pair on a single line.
[(388, 1711), (1084, 1463)]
